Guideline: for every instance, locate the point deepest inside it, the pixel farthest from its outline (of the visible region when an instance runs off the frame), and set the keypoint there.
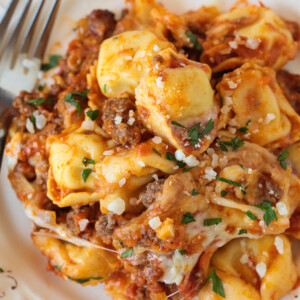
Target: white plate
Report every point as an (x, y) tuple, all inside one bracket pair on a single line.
[(17, 253)]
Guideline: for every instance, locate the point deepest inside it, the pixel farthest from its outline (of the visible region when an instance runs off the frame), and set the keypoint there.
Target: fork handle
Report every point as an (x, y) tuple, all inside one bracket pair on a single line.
[(6, 114)]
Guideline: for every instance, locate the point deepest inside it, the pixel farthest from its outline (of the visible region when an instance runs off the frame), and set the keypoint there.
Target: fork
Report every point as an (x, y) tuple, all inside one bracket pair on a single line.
[(19, 67)]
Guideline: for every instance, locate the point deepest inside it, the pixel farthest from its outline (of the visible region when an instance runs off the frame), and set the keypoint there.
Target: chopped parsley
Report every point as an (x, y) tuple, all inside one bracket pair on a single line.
[(177, 124), (93, 114), (33, 120), (1, 270), (242, 167), (155, 151), (104, 88), (121, 244), (242, 231), (194, 40), (84, 280), (269, 214), (41, 87), (87, 161), (115, 38), (224, 193), (85, 174), (39, 101), (251, 215), (193, 134), (209, 222), (244, 129), (187, 218), (182, 252), (282, 157), (237, 184), (56, 267), (235, 143), (53, 62), (217, 283), (127, 253), (195, 192), (171, 157), (208, 128), (187, 169), (70, 99), (83, 94)]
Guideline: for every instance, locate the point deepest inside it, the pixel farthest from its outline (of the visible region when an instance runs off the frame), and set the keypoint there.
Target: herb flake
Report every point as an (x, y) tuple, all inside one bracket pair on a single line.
[(282, 157), (53, 62), (156, 152), (217, 283), (84, 280), (208, 128), (93, 114), (195, 192), (193, 134), (187, 218), (251, 215), (210, 222), (269, 214), (177, 124), (85, 174), (127, 253), (224, 193), (242, 231), (87, 161), (194, 40), (182, 252)]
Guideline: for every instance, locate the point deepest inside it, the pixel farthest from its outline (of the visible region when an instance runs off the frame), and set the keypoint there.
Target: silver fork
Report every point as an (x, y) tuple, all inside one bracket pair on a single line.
[(19, 66)]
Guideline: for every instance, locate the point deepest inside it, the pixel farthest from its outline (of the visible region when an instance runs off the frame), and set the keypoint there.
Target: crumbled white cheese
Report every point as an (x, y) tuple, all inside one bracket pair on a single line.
[(215, 160), (279, 244), (122, 182), (269, 118), (210, 174), (118, 120), (40, 121), (141, 163), (233, 44), (83, 223), (191, 161), (33, 160), (179, 155), (233, 122), (108, 152), (29, 126), (156, 48), (223, 161), (261, 269), (128, 57), (249, 171), (155, 177), (232, 130), (282, 209), (131, 121), (2, 133), (117, 206), (244, 259), (253, 44), (88, 125), (154, 223), (232, 85), (159, 82), (157, 140)]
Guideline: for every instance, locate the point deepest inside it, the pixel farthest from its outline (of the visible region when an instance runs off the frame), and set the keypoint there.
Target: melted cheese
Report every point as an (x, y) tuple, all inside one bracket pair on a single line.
[(124, 59)]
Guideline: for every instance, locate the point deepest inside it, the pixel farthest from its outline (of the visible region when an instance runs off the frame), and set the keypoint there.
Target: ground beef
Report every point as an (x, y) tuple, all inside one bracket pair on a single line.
[(290, 85), (116, 114), (149, 195), (105, 227)]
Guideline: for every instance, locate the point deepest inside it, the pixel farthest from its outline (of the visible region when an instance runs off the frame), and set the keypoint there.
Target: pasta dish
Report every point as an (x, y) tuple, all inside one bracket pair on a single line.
[(163, 157)]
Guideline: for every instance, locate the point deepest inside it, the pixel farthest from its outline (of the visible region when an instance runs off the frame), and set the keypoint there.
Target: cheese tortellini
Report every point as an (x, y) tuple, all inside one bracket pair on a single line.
[(251, 94), (124, 59), (248, 34)]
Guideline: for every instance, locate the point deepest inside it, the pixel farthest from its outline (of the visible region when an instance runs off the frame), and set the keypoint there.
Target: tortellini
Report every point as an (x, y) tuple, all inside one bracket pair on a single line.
[(177, 90), (251, 94), (250, 269), (85, 265), (66, 185), (124, 59), (248, 34)]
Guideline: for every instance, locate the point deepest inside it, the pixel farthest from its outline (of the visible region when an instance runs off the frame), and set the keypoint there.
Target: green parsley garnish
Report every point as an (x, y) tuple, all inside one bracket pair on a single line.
[(251, 215), (248, 123), (115, 38), (182, 252), (195, 192), (244, 129), (156, 152), (217, 283), (87, 161), (85, 174), (93, 114), (242, 231), (208, 128), (1, 270), (171, 157), (33, 120), (194, 40), (177, 124), (235, 143), (269, 214), (104, 88), (83, 94), (41, 87), (53, 62), (193, 134), (281, 158), (84, 280), (39, 101), (187, 218), (209, 222), (237, 184), (187, 169), (56, 267), (242, 167), (70, 99), (121, 244), (224, 193), (127, 253)]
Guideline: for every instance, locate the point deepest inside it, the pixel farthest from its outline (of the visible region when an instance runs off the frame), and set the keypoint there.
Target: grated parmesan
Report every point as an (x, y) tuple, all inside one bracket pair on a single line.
[(122, 182), (210, 174), (159, 82), (118, 120), (281, 208), (117, 206), (261, 269), (154, 223), (141, 163), (83, 223), (157, 140), (279, 244)]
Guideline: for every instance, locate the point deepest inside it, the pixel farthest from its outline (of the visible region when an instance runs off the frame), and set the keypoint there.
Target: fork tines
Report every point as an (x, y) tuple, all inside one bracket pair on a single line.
[(13, 41)]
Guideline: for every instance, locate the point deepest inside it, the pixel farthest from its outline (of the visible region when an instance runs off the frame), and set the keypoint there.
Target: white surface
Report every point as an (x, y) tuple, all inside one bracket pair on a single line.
[(17, 252)]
